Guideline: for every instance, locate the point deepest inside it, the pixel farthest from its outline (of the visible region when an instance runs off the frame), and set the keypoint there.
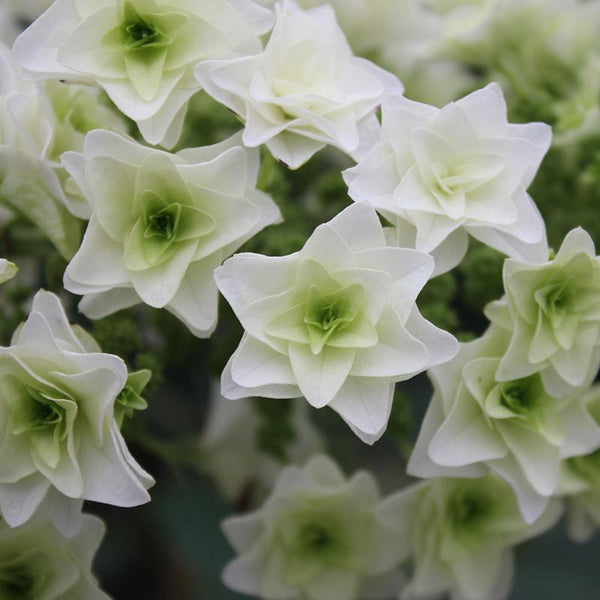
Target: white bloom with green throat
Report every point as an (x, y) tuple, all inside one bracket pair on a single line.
[(444, 173), (515, 428), (318, 536), (304, 91), (59, 442), (335, 322), (140, 51), (460, 533), (161, 223), (552, 311), (37, 562)]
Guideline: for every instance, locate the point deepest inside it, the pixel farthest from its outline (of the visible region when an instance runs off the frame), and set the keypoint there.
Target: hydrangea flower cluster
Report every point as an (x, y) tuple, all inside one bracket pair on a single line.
[(338, 319)]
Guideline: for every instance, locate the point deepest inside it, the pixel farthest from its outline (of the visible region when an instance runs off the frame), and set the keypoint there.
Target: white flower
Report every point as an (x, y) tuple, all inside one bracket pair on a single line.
[(304, 91), (317, 536), (477, 423), (36, 562), (59, 442), (161, 223), (140, 52), (28, 181), (461, 533), (457, 170), (7, 270), (552, 311), (335, 322), (230, 446)]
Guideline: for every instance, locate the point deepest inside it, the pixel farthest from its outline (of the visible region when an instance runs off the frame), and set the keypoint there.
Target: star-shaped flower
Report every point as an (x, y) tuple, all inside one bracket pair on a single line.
[(304, 91), (141, 52), (335, 322), (161, 223), (459, 170)]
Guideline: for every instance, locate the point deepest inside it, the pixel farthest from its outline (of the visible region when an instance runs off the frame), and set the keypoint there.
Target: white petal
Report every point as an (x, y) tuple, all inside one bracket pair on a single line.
[(477, 573), (107, 476), (243, 531), (582, 433), (233, 391), (531, 503), (97, 265), (365, 404), (246, 278), (539, 460), (465, 437), (359, 226), (397, 354), (255, 364), (98, 306), (158, 285), (18, 501), (320, 376), (196, 300), (441, 345)]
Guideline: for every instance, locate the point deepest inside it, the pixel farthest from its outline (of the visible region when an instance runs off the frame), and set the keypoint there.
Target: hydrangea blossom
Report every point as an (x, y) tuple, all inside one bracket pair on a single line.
[(335, 322), (141, 52), (28, 182), (229, 446), (304, 91), (161, 223), (476, 423), (443, 173), (59, 442), (37, 562), (461, 533), (317, 536), (7, 270), (553, 313)]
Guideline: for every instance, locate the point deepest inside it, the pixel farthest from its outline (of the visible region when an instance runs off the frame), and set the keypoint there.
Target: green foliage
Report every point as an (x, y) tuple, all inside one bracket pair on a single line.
[(276, 429), (119, 334), (401, 425), (435, 302)]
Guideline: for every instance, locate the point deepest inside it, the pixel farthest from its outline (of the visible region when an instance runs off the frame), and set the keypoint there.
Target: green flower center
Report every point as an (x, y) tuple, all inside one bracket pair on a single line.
[(16, 583), (327, 315), (467, 509), (38, 413), (315, 538), (140, 33), (520, 396), (555, 299), (331, 315), (161, 225)]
